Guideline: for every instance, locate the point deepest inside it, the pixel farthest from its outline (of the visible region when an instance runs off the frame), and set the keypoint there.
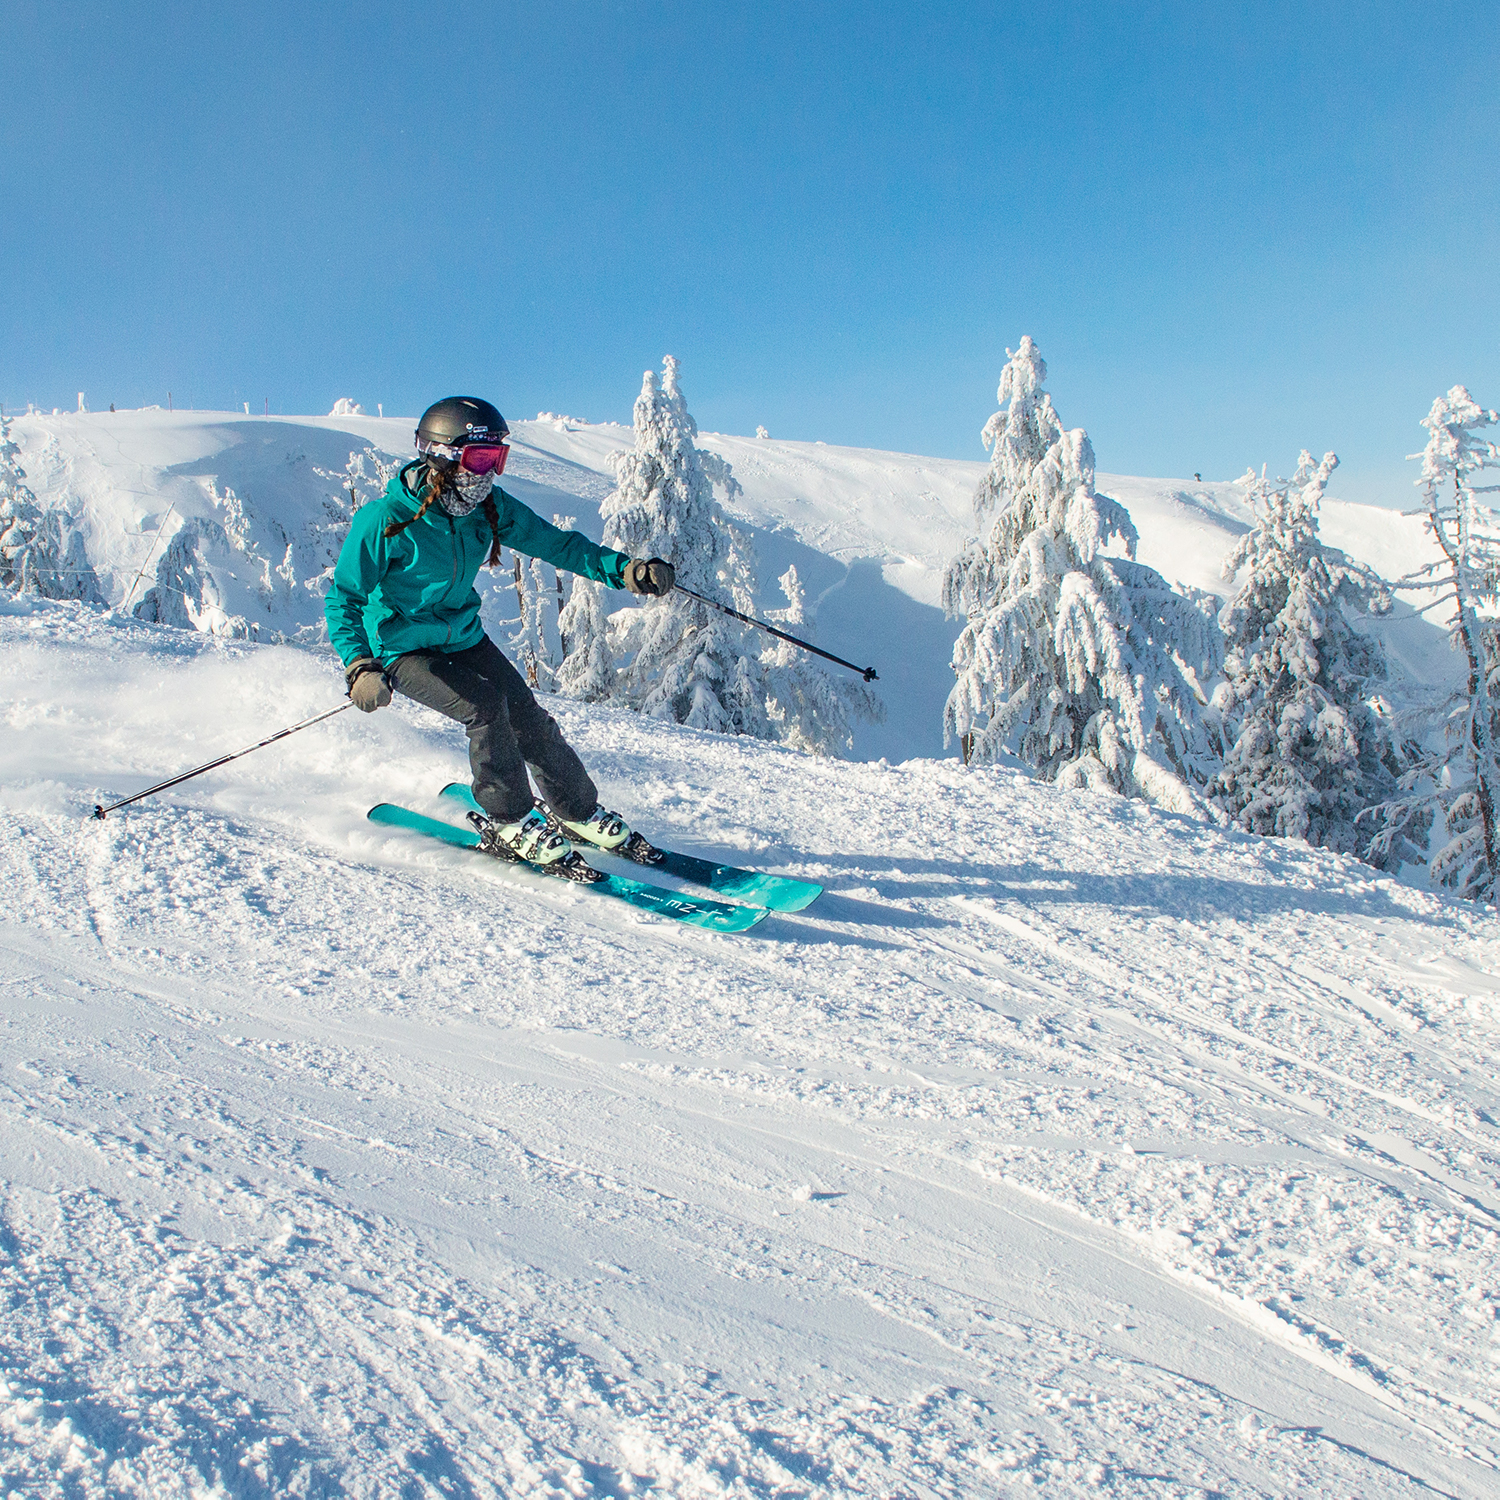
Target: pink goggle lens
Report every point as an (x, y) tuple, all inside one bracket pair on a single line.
[(484, 458)]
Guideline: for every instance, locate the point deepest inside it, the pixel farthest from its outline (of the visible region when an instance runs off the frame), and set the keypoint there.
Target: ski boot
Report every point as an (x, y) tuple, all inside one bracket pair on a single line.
[(606, 831), (536, 841)]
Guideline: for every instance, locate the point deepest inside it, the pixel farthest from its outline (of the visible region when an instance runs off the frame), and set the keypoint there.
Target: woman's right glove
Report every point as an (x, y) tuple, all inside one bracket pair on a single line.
[(654, 577), (368, 688)]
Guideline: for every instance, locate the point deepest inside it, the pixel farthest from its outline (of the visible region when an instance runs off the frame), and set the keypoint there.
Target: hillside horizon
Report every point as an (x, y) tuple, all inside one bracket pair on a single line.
[(869, 531)]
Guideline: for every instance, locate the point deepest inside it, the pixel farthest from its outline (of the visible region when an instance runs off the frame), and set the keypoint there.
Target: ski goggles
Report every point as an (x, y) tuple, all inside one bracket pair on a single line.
[(477, 458)]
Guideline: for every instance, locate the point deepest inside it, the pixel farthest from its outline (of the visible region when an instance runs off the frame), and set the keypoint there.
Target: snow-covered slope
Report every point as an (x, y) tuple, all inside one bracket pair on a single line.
[(232, 520), (1062, 1144)]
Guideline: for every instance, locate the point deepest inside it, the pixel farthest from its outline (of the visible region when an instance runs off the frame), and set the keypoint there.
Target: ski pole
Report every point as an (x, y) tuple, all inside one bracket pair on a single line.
[(868, 673), (223, 760)]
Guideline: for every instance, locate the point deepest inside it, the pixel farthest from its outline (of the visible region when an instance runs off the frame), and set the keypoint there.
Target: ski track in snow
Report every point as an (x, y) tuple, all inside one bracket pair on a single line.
[(1062, 1143)]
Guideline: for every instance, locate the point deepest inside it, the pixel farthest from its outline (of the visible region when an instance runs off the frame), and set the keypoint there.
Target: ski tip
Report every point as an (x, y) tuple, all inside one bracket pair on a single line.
[(743, 926), (799, 900), (393, 815), (389, 815)]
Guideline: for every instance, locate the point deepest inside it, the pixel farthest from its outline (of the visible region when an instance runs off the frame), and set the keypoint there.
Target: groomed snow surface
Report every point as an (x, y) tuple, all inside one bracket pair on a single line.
[(1062, 1145)]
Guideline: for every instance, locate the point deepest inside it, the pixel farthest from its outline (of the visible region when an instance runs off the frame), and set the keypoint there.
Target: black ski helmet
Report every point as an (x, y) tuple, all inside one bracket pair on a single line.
[(456, 420)]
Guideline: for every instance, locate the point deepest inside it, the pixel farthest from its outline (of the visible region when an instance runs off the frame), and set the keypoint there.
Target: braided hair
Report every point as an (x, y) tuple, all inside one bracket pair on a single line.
[(432, 487), (493, 517)]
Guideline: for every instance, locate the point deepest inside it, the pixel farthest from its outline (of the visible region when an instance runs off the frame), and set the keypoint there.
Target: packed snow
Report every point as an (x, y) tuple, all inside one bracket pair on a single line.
[(1063, 1143)]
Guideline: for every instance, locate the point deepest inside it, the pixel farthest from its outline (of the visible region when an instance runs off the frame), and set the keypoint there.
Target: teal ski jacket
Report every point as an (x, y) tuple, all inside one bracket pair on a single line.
[(415, 591)]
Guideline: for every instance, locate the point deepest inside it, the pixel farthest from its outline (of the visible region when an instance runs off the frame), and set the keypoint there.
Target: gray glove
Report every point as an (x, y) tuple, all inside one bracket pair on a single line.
[(655, 577), (368, 688)]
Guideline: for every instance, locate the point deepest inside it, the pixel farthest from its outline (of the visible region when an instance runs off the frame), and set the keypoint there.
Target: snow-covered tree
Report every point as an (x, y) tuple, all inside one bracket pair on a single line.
[(20, 516), (809, 707), (361, 480), (1311, 742), (1457, 786), (41, 552), (1086, 665), (536, 594), (684, 660), (588, 667)]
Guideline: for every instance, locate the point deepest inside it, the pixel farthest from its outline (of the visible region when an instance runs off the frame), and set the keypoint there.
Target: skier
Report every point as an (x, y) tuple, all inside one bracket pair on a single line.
[(403, 615)]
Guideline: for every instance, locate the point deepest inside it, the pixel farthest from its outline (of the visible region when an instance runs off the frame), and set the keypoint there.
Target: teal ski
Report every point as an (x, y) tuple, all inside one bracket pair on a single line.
[(775, 892), (717, 916)]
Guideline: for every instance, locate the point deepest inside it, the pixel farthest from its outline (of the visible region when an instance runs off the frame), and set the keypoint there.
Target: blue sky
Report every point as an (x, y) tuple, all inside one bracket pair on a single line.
[(1233, 231)]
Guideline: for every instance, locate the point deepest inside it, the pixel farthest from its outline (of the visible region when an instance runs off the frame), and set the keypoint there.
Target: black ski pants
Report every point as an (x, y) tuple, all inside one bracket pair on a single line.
[(508, 730)]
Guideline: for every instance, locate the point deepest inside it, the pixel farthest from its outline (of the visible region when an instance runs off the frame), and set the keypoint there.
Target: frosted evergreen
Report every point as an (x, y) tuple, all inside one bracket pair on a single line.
[(41, 551), (809, 707), (682, 660), (588, 667), (1086, 665), (361, 480), (1453, 787), (1311, 744)]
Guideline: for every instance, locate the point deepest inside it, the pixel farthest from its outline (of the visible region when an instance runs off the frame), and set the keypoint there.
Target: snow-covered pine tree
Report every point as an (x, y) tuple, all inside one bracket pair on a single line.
[(587, 669), (1312, 742), (684, 661), (809, 707), (40, 551), (20, 516), (1457, 786), (1085, 665), (588, 666)]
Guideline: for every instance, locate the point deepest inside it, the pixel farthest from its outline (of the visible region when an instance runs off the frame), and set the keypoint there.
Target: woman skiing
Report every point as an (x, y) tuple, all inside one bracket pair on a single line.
[(403, 615)]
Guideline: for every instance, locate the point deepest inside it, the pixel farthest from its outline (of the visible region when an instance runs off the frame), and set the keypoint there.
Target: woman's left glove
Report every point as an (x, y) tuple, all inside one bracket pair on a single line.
[(368, 688), (654, 577)]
